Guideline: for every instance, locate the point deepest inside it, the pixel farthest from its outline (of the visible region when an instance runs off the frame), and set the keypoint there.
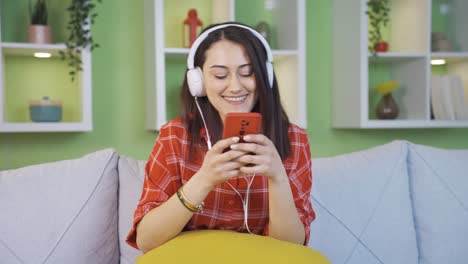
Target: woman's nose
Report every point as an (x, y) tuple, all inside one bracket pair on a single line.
[(235, 85)]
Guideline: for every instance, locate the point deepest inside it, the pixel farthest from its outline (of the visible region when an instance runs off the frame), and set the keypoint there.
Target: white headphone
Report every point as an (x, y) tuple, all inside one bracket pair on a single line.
[(195, 75)]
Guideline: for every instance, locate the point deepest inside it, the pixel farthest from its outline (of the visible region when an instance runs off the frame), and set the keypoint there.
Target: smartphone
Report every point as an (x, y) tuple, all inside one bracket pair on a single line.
[(240, 124)]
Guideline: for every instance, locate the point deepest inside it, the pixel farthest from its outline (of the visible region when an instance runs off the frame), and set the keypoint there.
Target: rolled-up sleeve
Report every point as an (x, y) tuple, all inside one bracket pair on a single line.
[(158, 185), (301, 184)]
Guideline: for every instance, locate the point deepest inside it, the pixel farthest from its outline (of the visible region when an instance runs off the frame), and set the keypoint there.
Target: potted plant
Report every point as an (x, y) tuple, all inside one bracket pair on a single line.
[(82, 16), (39, 31), (378, 12)]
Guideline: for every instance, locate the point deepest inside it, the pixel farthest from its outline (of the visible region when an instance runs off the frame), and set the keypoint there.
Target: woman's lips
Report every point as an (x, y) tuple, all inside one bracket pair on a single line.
[(236, 100)]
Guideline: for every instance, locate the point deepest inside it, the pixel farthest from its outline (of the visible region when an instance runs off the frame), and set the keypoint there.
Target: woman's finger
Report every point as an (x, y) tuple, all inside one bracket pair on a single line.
[(231, 155), (223, 144), (258, 138), (249, 148), (252, 159)]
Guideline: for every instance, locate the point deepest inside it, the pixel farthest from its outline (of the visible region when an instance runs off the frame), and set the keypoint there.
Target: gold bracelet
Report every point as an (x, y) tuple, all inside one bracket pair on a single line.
[(189, 204)]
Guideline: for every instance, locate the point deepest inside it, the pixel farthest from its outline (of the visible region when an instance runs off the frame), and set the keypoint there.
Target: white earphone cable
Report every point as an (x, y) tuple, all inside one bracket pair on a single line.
[(204, 123), (245, 202)]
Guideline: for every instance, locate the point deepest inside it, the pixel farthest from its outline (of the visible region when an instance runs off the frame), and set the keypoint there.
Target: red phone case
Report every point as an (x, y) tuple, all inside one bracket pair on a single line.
[(240, 124)]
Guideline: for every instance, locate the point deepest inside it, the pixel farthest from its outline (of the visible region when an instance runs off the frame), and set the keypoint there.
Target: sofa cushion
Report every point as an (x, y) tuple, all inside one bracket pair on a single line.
[(230, 247), (363, 207), (61, 212), (131, 176), (439, 183)]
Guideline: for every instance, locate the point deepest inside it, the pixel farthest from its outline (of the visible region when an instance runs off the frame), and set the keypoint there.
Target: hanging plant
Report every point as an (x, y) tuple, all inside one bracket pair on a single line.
[(82, 16), (378, 12)]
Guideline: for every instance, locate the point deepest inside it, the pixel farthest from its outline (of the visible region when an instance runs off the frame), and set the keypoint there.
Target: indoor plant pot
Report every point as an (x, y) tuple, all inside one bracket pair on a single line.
[(39, 31)]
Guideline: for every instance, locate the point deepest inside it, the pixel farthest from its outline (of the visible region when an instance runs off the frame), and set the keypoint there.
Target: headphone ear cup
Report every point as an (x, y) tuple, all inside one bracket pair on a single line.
[(269, 67), (195, 82)]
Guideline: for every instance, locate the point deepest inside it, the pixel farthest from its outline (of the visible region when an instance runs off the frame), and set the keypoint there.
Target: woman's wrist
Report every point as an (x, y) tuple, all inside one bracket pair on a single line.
[(280, 178), (196, 189)]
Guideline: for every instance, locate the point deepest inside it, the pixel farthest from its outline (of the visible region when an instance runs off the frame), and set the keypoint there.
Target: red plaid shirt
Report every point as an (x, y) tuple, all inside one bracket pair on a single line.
[(168, 168)]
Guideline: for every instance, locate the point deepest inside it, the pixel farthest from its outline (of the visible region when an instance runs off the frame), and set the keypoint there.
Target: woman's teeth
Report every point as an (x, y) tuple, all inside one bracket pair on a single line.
[(235, 99)]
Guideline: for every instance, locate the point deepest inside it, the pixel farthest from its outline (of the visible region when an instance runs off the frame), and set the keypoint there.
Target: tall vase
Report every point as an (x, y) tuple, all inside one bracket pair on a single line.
[(39, 34), (387, 108)]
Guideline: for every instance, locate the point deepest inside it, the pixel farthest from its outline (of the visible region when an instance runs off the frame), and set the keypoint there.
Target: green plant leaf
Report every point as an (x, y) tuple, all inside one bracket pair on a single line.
[(80, 15)]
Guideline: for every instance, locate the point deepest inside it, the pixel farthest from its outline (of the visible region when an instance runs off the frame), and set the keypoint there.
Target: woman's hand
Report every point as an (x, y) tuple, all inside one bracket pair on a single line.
[(261, 157), (219, 167)]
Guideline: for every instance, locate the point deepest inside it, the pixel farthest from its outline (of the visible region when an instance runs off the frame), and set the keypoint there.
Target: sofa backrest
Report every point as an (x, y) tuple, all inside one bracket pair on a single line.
[(395, 203), (61, 212), (439, 191), (363, 207), (131, 176)]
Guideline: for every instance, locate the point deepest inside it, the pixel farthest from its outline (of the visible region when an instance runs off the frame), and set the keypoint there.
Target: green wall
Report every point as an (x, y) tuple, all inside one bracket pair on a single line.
[(119, 96)]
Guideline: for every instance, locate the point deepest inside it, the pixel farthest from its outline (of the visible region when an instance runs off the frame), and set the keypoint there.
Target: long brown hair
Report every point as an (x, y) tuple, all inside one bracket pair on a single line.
[(275, 120)]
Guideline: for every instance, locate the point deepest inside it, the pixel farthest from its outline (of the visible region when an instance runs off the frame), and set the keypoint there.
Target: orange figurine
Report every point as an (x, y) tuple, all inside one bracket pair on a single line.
[(191, 27)]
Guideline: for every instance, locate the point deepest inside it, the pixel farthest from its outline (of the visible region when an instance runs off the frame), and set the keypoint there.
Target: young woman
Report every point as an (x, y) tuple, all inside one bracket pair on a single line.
[(261, 186)]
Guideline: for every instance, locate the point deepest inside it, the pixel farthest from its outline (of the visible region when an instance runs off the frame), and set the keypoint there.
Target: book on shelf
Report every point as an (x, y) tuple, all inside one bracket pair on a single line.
[(448, 98)]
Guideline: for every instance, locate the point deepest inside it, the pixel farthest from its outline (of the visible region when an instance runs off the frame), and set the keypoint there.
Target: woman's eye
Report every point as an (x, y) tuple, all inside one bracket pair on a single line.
[(220, 77), (246, 74)]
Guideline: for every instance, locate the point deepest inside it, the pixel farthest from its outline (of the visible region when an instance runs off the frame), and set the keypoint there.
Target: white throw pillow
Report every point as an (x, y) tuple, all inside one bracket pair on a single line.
[(61, 212), (363, 207), (439, 183), (131, 177)]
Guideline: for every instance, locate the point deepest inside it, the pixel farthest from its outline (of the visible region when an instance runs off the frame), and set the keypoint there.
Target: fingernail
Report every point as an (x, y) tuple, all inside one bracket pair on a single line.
[(235, 139), (247, 138), (233, 146)]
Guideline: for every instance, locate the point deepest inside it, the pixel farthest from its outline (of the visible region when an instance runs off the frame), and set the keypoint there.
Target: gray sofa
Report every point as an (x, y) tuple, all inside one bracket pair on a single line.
[(395, 203)]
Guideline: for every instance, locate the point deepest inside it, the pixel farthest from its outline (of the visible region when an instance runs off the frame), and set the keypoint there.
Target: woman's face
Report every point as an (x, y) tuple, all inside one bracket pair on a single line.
[(228, 78)]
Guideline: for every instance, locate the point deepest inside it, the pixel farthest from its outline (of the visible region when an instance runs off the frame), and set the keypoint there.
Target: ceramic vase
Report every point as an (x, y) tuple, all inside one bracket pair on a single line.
[(387, 108)]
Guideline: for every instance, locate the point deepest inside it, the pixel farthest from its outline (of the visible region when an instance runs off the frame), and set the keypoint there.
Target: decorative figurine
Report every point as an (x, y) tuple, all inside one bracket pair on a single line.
[(191, 27)]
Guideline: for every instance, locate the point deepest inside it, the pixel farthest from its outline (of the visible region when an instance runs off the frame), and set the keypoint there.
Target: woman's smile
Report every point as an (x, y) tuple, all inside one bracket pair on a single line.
[(235, 100)]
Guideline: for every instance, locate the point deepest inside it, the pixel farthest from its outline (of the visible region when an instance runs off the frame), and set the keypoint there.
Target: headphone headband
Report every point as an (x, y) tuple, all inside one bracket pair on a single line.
[(195, 74), (204, 35)]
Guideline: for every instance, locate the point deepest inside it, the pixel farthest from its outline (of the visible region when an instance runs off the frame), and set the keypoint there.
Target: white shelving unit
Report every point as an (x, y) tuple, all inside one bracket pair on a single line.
[(408, 61), (83, 94), (166, 59)]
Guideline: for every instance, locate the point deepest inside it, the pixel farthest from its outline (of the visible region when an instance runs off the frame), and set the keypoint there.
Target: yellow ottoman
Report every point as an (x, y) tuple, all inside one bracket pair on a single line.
[(216, 246)]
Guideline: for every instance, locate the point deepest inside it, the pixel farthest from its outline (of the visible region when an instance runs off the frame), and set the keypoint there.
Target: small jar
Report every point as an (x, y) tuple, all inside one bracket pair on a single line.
[(45, 110)]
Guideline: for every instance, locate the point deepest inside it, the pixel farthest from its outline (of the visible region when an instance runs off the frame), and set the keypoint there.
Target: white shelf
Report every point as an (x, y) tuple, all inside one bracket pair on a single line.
[(289, 59), (450, 54), (45, 127), (414, 123), (356, 71), (85, 93), (183, 51), (394, 56), (28, 49), (23, 78)]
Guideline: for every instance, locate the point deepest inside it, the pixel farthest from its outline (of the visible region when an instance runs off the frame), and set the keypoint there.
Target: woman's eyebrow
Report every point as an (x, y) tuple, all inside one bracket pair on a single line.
[(218, 66), (225, 67)]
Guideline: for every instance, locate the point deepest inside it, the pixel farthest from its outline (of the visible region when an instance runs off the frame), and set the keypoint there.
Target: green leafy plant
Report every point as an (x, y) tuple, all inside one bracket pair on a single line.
[(38, 12), (378, 12), (82, 16)]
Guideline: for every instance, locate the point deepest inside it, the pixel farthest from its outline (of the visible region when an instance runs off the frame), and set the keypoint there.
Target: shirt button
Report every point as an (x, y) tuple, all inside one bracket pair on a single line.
[(231, 202)]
